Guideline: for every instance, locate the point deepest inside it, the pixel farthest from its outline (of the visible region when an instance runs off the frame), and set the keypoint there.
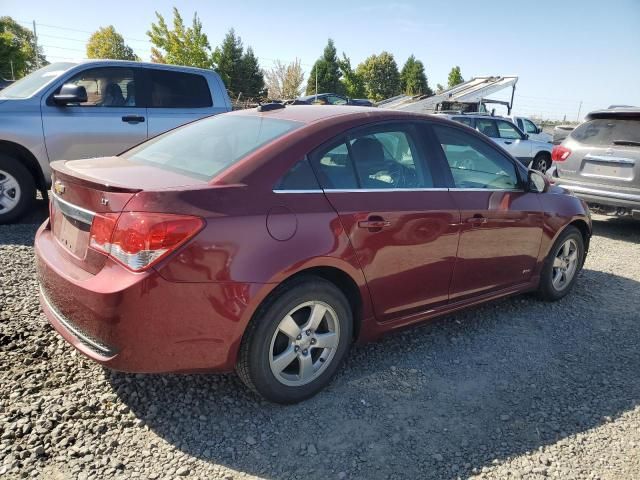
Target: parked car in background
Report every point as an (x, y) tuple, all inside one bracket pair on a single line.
[(266, 241), (527, 126), (90, 109), (333, 99), (600, 161), (532, 153)]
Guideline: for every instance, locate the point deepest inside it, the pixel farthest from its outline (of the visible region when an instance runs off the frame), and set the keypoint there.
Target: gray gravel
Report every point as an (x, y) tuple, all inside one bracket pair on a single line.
[(515, 389)]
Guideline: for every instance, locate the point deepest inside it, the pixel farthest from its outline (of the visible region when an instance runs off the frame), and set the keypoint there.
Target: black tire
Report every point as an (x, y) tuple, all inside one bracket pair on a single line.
[(541, 162), (27, 188), (546, 289), (253, 365)]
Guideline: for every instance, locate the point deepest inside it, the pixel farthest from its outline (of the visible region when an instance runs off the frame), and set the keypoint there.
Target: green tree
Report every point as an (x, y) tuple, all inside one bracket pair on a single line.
[(328, 72), (455, 77), (352, 83), (380, 75), (413, 80), (439, 88), (17, 49), (107, 43), (181, 45), (252, 78), (284, 81), (239, 71)]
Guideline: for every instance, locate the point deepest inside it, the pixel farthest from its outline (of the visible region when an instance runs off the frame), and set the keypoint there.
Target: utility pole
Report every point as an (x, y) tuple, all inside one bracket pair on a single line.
[(13, 77), (35, 46), (316, 99), (579, 108)]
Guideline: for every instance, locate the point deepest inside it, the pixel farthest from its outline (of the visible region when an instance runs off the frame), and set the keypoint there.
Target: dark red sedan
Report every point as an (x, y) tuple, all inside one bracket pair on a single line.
[(267, 241)]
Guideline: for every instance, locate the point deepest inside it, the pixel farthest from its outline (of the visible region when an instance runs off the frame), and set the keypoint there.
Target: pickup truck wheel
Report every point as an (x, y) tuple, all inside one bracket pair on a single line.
[(17, 189), (541, 162)]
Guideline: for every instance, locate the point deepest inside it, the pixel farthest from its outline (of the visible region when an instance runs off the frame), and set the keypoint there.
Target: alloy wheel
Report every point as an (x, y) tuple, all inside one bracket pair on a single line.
[(304, 343), (9, 192), (565, 264), (540, 165)]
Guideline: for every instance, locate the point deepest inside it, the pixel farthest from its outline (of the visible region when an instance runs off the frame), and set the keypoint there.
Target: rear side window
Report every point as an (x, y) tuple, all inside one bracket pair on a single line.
[(608, 131), (178, 90), (473, 163), (488, 127), (464, 120), (381, 158), (300, 177), (209, 146)]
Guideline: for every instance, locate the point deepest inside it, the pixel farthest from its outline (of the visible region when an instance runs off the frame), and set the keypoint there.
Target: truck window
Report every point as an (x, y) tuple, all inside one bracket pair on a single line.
[(107, 87), (178, 90), (464, 120)]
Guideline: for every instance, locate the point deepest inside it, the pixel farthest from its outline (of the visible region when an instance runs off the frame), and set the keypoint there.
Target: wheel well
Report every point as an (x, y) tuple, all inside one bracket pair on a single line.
[(345, 283), (584, 230), (28, 160), (543, 153)]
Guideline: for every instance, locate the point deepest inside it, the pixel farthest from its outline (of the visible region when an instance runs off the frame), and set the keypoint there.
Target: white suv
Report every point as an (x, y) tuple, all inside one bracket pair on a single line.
[(532, 153), (527, 126)]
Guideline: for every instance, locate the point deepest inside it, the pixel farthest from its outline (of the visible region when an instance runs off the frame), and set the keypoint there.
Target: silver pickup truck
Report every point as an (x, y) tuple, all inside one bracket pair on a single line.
[(91, 109)]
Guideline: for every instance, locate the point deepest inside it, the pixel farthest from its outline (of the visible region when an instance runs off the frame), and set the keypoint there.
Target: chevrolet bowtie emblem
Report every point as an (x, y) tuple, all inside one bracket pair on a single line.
[(59, 187)]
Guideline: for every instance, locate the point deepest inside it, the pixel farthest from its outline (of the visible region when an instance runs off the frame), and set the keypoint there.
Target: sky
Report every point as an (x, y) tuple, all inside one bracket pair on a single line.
[(570, 56)]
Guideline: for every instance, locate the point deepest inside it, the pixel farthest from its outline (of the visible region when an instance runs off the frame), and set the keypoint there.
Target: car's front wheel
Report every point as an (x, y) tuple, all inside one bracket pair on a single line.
[(562, 265), (296, 341), (541, 162)]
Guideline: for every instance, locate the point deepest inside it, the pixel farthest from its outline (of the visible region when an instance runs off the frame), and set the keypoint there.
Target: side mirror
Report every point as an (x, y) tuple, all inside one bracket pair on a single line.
[(538, 182), (538, 129), (526, 136), (70, 93)]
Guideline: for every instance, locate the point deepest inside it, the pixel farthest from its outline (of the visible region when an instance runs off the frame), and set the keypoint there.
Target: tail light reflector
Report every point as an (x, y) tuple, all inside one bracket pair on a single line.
[(139, 240), (560, 153)]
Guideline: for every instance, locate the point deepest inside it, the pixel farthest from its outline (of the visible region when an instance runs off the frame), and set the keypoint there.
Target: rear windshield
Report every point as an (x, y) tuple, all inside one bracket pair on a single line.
[(608, 131), (207, 147)]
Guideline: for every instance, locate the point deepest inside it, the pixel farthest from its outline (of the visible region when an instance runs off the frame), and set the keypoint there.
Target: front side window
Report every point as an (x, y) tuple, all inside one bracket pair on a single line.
[(171, 89), (488, 127), (335, 100), (207, 147), (475, 164), (107, 87), (508, 131)]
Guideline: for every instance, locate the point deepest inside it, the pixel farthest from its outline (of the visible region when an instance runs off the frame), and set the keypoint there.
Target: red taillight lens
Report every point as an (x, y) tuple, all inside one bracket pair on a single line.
[(101, 230), (138, 239), (560, 153)]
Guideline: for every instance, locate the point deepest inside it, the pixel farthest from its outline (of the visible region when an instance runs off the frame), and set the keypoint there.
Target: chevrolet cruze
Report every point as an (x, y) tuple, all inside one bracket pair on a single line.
[(267, 241)]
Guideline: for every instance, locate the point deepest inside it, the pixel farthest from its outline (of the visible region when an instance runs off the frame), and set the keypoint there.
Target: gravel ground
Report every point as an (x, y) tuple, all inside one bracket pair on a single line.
[(515, 389)]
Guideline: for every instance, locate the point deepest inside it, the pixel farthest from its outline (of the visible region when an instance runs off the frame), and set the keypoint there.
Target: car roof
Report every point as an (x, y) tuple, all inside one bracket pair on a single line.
[(131, 63), (315, 113)]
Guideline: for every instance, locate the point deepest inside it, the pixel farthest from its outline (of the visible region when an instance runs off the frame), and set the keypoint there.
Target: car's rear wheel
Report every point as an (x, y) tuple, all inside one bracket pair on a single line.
[(17, 189), (562, 265), (296, 341), (541, 162)]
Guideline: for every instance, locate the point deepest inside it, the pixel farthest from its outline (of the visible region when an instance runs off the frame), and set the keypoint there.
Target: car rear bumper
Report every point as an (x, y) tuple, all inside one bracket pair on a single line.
[(141, 322), (601, 196)]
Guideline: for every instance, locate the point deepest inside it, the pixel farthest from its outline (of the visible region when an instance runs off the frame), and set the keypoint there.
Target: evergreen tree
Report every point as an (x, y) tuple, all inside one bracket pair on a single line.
[(413, 80), (352, 83), (455, 77), (328, 72), (252, 84)]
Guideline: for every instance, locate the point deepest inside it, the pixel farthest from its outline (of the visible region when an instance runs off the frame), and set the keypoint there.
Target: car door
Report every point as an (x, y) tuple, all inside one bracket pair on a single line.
[(501, 222), (514, 141), (401, 221), (175, 98), (109, 122)]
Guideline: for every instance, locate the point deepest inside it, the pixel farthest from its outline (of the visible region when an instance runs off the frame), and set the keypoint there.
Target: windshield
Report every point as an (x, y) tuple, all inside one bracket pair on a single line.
[(207, 147), (27, 86)]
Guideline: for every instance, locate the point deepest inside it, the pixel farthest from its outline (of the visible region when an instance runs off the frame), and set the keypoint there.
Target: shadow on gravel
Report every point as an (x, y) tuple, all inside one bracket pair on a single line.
[(23, 232), (439, 401), (617, 228)]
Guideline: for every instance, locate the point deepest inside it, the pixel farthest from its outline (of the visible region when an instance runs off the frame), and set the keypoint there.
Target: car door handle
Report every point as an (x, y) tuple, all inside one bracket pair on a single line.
[(477, 220), (133, 118), (374, 224), (508, 142)]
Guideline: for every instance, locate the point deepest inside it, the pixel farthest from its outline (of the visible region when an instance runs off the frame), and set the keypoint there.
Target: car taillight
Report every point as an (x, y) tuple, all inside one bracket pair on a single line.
[(560, 153), (138, 240)]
